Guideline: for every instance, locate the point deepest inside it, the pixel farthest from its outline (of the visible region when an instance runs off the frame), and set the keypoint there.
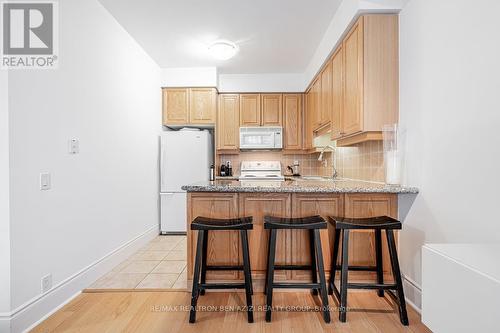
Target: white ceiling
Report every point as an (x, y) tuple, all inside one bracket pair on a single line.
[(274, 36)]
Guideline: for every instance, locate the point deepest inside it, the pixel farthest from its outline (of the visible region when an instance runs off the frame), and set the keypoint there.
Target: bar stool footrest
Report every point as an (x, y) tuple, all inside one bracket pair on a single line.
[(224, 268), (374, 286), (290, 285), (222, 285), (293, 267)]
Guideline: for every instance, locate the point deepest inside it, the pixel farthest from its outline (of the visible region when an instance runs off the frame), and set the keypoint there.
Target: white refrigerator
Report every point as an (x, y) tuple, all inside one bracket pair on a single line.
[(185, 158)]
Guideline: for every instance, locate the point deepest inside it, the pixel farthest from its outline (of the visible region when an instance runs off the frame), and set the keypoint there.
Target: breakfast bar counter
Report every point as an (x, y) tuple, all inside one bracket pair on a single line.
[(291, 198)]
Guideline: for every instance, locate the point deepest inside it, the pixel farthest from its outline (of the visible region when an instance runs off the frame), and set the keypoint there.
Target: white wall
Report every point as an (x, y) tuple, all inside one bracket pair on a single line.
[(261, 82), (450, 76), (189, 77), (106, 93), (4, 201)]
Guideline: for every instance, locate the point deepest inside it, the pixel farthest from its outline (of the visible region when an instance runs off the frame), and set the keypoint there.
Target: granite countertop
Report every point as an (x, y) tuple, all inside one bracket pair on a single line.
[(299, 186)]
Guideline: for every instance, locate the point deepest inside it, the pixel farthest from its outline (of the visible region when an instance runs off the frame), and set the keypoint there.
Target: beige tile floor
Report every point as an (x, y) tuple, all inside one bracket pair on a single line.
[(161, 264)]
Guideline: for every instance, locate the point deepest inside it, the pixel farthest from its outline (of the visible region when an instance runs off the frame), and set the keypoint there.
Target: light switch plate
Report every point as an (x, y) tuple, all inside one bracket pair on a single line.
[(45, 181)]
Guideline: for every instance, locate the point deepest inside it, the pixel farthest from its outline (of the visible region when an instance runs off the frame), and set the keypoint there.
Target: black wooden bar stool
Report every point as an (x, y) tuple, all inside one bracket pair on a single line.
[(203, 225), (377, 224), (313, 224)]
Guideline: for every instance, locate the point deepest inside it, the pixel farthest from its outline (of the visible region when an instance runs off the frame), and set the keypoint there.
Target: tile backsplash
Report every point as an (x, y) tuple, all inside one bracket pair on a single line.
[(364, 161)]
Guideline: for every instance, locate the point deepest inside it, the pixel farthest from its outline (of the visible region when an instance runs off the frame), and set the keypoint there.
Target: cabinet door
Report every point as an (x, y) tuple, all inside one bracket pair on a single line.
[(228, 122), (308, 130), (308, 205), (250, 110), (293, 121), (223, 246), (337, 94), (316, 103), (326, 95), (259, 205), (353, 79), (272, 110), (362, 242), (202, 105), (175, 106)]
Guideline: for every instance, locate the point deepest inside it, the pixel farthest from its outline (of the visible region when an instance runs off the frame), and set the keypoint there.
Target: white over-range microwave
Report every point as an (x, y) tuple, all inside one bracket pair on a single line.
[(268, 137)]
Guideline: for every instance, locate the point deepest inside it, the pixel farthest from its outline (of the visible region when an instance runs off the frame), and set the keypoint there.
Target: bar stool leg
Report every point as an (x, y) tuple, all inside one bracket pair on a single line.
[(313, 260), (322, 279), (380, 266), (403, 315), (196, 276), (333, 271), (343, 278), (267, 271), (204, 261), (248, 278), (249, 266), (270, 273)]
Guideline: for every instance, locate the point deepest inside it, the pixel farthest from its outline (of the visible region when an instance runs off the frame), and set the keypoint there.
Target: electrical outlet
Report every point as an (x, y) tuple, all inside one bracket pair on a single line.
[(46, 283), (73, 146)]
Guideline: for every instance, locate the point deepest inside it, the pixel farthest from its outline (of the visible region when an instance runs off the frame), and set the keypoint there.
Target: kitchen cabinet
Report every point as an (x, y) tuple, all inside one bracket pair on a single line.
[(326, 96), (370, 74), (261, 110), (228, 122), (175, 106), (292, 121), (353, 79), (308, 129), (223, 246), (202, 105), (272, 110), (292, 245), (309, 205), (361, 242), (357, 90), (337, 94), (250, 114), (259, 205), (315, 114), (189, 106)]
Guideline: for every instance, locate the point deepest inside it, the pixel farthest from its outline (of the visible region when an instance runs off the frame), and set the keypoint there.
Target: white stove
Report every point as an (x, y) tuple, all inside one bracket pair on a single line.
[(261, 171)]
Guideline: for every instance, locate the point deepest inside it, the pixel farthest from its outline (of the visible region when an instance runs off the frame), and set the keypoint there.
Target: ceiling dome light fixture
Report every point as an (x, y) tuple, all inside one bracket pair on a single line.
[(223, 49)]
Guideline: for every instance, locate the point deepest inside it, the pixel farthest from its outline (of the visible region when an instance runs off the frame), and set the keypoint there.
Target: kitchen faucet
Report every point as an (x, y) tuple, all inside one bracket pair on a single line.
[(334, 159)]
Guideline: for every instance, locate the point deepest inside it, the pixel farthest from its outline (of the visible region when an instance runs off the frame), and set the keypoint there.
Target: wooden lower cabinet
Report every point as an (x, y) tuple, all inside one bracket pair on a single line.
[(308, 205), (259, 205), (362, 243), (224, 247)]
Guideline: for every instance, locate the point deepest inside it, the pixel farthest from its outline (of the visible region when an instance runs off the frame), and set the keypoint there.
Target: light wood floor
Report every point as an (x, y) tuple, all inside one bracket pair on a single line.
[(162, 312)]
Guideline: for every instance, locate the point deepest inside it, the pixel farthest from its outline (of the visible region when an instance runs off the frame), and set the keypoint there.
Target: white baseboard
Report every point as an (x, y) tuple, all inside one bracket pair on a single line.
[(413, 294), (33, 312)]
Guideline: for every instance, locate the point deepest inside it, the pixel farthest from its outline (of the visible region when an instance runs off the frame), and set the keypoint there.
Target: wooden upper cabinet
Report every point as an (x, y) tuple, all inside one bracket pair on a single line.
[(315, 113), (228, 122), (272, 110), (202, 106), (307, 127), (370, 69), (175, 106), (250, 110), (326, 95), (189, 106), (337, 94), (353, 79), (292, 121)]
